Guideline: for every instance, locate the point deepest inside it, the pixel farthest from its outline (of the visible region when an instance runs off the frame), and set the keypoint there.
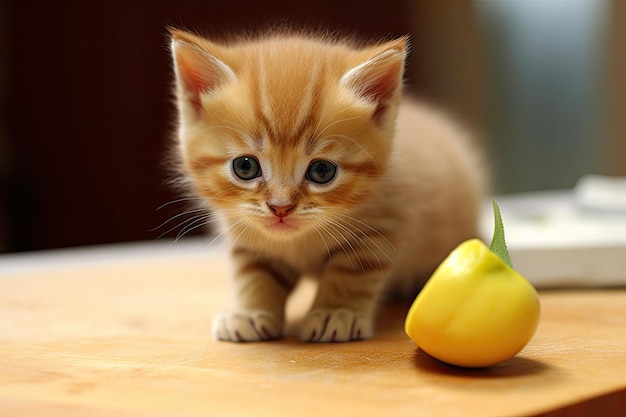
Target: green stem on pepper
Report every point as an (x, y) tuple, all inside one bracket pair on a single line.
[(498, 243)]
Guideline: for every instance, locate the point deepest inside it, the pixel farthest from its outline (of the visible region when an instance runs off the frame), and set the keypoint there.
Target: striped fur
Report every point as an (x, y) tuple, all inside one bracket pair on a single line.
[(406, 191)]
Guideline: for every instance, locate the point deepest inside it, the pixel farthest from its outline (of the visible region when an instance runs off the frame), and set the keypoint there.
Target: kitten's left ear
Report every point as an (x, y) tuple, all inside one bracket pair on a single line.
[(379, 79), (197, 71)]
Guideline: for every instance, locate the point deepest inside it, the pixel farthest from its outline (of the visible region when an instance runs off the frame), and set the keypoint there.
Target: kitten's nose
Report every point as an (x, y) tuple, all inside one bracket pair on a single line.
[(280, 211)]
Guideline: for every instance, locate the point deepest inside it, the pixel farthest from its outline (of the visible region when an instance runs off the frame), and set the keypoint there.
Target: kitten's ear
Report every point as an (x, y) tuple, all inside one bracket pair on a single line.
[(379, 79), (197, 71)]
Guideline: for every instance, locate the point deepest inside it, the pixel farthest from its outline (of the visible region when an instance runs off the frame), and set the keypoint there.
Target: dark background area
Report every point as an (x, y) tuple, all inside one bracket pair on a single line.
[(87, 116)]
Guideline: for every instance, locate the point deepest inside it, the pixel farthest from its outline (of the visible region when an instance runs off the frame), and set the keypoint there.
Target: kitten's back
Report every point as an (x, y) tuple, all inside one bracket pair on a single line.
[(436, 181)]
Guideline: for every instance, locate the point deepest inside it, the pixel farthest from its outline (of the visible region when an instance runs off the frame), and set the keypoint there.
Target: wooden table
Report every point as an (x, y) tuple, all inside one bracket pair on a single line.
[(132, 338)]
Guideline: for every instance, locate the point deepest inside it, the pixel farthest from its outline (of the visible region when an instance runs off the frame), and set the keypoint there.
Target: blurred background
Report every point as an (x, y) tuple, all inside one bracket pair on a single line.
[(86, 112)]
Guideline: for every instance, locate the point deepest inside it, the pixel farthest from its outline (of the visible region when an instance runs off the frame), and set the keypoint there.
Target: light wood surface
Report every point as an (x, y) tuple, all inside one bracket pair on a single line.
[(133, 340)]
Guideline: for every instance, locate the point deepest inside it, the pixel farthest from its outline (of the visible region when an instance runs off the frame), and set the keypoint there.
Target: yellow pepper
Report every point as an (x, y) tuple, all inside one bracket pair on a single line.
[(475, 311)]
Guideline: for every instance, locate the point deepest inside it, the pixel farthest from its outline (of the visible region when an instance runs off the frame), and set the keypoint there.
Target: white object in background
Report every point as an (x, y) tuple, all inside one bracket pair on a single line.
[(558, 238), (599, 192)]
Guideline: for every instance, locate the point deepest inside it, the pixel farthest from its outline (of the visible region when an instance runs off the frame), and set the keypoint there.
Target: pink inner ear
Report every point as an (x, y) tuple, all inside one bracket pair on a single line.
[(382, 88), (198, 72), (382, 84), (378, 80), (195, 80)]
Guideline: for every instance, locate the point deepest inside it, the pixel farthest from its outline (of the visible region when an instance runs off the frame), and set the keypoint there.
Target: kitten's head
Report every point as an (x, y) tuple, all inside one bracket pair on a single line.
[(285, 133)]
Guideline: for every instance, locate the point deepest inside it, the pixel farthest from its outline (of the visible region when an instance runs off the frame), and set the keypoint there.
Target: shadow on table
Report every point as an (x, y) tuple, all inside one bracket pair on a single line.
[(514, 367)]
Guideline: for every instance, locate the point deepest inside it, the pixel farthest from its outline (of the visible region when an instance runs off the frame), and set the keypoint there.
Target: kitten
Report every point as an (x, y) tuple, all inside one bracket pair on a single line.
[(315, 165)]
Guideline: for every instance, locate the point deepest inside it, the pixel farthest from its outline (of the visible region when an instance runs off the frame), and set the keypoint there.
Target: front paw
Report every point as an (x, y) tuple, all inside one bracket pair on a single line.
[(340, 325), (247, 326)]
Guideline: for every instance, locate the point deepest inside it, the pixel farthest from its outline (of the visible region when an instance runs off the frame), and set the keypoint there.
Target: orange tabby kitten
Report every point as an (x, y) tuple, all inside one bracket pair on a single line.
[(315, 165)]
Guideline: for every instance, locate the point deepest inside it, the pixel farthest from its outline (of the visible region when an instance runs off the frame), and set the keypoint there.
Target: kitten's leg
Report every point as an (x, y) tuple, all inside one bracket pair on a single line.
[(261, 289), (344, 307)]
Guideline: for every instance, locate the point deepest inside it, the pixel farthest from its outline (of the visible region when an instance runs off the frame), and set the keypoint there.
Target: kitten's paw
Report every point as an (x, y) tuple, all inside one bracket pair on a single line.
[(341, 325), (247, 326)]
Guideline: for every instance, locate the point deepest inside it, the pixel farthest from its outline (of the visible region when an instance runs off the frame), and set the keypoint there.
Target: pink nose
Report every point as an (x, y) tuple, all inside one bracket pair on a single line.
[(280, 211)]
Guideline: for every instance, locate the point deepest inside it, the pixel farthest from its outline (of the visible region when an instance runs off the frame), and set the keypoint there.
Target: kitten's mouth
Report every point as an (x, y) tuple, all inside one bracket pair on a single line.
[(282, 224)]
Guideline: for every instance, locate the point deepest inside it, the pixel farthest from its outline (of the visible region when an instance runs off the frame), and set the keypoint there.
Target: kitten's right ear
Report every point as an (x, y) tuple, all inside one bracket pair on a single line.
[(379, 79), (197, 71)]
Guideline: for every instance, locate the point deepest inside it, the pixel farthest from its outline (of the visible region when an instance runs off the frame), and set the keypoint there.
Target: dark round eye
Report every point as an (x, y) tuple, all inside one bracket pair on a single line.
[(246, 168), (321, 171)]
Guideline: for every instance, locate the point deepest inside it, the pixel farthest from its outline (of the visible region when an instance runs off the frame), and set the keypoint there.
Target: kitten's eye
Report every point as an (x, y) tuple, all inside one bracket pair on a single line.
[(321, 171), (246, 168)]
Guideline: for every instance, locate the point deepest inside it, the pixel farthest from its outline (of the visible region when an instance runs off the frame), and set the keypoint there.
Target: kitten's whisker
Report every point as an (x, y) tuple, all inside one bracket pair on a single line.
[(325, 243), (180, 200), (329, 232), (200, 221), (354, 219), (333, 226), (226, 230), (246, 225), (373, 241), (190, 224), (359, 240), (314, 227), (185, 213), (184, 222)]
